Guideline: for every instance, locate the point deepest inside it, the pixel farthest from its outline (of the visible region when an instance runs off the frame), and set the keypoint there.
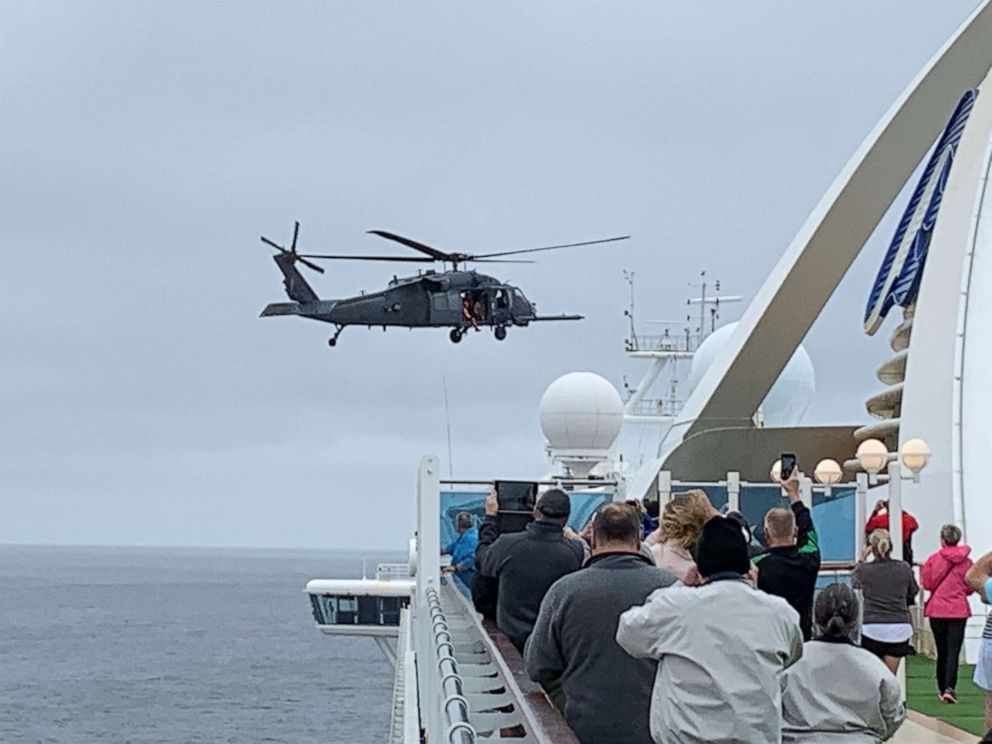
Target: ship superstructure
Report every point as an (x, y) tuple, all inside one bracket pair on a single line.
[(458, 679)]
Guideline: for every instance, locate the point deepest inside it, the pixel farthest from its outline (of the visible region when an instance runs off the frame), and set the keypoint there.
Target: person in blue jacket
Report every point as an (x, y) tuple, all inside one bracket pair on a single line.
[(462, 549)]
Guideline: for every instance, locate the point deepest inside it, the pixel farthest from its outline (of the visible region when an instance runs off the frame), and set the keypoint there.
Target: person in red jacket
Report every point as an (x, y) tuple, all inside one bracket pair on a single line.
[(948, 609), (879, 520)]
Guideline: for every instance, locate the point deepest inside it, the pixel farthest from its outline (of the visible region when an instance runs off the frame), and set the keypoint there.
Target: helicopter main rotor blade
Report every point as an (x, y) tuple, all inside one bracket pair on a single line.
[(497, 260), (273, 244), (432, 252), (296, 234), (549, 247), (413, 259)]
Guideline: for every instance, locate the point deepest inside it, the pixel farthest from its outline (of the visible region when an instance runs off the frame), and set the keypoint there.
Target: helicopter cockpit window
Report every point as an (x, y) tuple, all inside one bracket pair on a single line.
[(501, 299), (519, 299)]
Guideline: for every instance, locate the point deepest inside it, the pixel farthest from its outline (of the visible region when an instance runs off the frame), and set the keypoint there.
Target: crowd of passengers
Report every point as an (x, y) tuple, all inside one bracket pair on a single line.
[(693, 631)]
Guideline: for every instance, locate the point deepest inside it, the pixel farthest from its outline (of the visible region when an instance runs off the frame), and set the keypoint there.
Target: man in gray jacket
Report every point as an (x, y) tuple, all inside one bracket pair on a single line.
[(607, 693), (721, 648)]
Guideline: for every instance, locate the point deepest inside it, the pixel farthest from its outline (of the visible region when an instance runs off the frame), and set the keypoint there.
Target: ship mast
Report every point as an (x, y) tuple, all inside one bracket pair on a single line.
[(676, 341)]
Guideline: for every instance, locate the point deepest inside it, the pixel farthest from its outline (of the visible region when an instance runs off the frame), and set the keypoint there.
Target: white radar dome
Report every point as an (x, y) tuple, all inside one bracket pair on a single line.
[(581, 411), (790, 396)]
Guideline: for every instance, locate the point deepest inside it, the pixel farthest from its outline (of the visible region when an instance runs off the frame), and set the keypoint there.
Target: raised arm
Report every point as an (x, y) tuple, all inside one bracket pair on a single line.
[(807, 541), (877, 521), (488, 534), (978, 573)]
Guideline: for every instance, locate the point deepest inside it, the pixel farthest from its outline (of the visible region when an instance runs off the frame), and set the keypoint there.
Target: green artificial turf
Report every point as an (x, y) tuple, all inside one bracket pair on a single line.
[(968, 714)]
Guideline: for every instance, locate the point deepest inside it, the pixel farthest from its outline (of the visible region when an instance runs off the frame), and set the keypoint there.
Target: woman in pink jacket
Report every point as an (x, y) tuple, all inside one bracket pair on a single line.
[(947, 607)]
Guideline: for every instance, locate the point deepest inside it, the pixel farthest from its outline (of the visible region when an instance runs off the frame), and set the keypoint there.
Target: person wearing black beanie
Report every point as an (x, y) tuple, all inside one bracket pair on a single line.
[(726, 637), (722, 549)]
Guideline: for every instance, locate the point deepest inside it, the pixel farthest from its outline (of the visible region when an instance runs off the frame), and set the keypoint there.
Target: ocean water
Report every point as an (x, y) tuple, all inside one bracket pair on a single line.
[(180, 645)]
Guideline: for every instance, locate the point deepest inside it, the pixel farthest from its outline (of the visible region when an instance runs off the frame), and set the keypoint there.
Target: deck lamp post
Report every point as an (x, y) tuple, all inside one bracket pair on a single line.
[(873, 455)]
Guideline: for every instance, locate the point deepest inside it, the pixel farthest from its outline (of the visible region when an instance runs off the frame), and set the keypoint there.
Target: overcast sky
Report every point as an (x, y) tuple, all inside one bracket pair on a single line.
[(145, 146)]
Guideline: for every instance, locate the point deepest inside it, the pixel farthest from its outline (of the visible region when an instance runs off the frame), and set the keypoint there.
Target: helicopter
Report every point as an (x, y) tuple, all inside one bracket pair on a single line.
[(455, 298)]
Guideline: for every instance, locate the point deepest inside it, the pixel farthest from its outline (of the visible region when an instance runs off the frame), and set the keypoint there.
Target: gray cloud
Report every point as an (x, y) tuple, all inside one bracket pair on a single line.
[(146, 146)]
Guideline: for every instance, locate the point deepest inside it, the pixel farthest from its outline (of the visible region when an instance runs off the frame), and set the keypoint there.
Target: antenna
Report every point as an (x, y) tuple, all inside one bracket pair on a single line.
[(712, 303), (447, 424), (628, 276)]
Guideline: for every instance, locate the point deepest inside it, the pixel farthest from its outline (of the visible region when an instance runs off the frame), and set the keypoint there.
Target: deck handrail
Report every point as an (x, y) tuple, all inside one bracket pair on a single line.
[(454, 705), (542, 722)]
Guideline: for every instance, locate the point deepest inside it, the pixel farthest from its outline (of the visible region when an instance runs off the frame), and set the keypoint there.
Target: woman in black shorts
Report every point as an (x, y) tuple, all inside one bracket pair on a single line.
[(889, 589)]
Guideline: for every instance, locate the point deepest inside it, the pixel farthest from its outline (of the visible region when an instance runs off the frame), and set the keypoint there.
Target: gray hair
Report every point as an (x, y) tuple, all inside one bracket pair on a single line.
[(836, 611), (950, 534)]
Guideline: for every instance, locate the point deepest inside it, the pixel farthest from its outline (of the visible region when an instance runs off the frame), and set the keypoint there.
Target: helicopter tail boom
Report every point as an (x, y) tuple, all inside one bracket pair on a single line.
[(296, 286), (318, 308)]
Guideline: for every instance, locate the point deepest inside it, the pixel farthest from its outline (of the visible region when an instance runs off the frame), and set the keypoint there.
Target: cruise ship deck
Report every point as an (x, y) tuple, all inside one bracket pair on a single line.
[(920, 729)]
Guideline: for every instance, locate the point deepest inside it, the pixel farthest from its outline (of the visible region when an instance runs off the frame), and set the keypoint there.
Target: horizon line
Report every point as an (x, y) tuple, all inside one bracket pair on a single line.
[(198, 546)]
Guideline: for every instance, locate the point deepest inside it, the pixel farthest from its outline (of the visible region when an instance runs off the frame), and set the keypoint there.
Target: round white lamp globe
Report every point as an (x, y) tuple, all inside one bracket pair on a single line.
[(915, 455), (873, 455), (828, 472)]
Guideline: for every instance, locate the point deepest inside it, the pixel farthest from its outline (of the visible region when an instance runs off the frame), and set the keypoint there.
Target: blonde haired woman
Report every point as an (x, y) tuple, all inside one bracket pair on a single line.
[(681, 523), (889, 588)]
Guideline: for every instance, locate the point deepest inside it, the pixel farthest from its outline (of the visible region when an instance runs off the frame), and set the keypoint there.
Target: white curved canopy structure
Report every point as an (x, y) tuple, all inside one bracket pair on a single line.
[(944, 397), (811, 268)]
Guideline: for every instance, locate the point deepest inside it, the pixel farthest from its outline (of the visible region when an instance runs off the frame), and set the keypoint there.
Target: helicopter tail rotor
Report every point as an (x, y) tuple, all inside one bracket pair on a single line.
[(291, 251)]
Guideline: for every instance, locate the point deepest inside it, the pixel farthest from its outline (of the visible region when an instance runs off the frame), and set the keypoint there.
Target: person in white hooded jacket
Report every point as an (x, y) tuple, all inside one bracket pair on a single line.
[(721, 648), (839, 692)]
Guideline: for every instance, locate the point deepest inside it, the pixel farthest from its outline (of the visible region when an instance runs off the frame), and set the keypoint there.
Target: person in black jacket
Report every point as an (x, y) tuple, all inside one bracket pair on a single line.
[(527, 563), (788, 568)]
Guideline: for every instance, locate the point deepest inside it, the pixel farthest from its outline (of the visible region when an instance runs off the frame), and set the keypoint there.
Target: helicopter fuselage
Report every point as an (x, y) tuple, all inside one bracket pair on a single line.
[(432, 300)]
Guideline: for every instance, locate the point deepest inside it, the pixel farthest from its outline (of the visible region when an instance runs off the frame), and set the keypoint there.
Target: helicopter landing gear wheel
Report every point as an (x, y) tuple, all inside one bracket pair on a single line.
[(500, 333), (455, 335), (333, 340)]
